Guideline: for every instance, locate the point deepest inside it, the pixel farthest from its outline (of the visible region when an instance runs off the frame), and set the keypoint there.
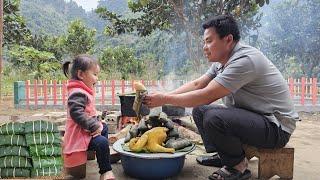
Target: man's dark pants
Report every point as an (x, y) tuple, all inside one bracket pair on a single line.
[(225, 130)]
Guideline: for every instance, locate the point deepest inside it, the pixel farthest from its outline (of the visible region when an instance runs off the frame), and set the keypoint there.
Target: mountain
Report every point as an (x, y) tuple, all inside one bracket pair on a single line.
[(117, 6), (52, 17)]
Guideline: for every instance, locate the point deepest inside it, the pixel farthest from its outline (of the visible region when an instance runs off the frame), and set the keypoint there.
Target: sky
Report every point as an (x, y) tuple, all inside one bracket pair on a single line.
[(88, 5)]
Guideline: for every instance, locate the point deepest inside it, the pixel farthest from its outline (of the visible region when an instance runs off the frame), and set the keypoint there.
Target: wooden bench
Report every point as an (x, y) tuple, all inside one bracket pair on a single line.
[(272, 161)]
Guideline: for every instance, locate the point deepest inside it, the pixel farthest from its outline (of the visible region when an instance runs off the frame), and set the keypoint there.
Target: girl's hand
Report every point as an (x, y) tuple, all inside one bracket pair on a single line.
[(97, 132)]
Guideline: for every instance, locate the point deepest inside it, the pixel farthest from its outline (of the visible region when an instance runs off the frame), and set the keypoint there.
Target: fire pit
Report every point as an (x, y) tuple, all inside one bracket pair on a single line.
[(150, 165)]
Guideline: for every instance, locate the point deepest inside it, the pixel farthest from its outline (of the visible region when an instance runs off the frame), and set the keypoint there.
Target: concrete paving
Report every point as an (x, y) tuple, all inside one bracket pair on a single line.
[(305, 140)]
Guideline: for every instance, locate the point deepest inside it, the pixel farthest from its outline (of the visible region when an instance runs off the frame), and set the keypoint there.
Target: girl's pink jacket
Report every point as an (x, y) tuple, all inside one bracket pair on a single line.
[(77, 139)]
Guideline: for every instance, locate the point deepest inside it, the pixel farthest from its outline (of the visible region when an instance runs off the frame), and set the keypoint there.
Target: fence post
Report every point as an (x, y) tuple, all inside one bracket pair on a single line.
[(40, 85), (54, 92), (19, 92), (314, 91), (291, 87), (303, 90), (122, 87), (45, 96), (113, 92), (35, 92), (163, 83), (103, 90), (27, 93), (153, 84)]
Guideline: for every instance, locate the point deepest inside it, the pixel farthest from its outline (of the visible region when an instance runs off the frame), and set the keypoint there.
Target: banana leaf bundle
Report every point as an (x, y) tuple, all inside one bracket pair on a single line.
[(45, 150), (12, 128), (46, 161), (40, 126), (48, 171), (14, 151), (43, 138), (14, 162), (13, 139), (178, 143), (14, 172)]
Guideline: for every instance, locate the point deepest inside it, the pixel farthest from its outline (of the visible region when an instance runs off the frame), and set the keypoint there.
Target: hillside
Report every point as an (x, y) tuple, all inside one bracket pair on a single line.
[(52, 17)]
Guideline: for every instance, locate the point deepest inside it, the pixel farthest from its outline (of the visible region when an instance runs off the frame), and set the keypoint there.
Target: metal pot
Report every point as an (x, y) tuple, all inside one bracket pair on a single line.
[(171, 110), (126, 101)]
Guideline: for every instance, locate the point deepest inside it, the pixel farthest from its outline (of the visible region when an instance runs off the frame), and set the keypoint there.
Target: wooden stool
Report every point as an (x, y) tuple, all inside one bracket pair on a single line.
[(272, 161)]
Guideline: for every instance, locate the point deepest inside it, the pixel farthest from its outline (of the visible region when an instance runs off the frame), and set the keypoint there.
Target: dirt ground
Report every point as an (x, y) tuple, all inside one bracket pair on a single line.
[(305, 140), (7, 108)]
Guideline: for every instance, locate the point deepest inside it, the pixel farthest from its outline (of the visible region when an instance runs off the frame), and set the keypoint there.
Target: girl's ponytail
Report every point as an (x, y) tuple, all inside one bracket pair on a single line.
[(65, 67), (81, 62)]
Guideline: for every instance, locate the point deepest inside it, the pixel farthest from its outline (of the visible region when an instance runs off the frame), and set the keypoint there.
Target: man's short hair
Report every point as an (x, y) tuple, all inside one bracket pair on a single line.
[(224, 25)]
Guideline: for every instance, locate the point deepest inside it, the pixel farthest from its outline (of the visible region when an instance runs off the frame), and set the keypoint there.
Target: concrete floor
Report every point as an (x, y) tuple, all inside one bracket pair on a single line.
[(306, 140)]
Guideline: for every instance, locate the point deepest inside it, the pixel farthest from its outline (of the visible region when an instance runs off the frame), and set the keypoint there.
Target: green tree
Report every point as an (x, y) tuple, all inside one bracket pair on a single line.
[(121, 62), (53, 44), (292, 40), (177, 15), (79, 38), (15, 30), (181, 18), (34, 63)]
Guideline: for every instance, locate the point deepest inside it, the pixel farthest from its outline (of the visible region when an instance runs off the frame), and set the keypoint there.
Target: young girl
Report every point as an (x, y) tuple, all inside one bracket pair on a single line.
[(84, 131)]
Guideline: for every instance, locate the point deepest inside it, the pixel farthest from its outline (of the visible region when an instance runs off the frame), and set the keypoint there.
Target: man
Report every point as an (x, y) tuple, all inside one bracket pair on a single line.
[(257, 107)]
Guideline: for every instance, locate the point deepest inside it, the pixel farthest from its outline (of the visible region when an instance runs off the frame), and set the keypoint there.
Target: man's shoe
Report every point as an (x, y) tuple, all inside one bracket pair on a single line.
[(213, 160)]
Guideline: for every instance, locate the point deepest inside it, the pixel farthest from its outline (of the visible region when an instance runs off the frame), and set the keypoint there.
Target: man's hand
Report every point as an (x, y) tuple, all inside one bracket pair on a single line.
[(97, 132), (154, 100)]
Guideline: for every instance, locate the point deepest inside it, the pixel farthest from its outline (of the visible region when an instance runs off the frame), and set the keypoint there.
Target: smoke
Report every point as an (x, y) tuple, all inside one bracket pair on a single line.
[(290, 36)]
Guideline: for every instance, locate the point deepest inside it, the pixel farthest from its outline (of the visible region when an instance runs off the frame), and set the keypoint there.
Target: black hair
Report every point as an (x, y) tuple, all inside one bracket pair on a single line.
[(223, 25), (81, 62)]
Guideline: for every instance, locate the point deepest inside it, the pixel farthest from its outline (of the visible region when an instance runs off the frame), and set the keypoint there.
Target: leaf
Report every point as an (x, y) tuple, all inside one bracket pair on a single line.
[(144, 2)]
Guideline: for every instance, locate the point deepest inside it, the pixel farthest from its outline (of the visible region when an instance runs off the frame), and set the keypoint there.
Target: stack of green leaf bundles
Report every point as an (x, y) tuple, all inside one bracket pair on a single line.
[(14, 153), (44, 143)]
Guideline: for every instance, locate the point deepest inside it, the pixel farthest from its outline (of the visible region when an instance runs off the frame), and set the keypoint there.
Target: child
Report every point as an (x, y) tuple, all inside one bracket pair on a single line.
[(83, 129)]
